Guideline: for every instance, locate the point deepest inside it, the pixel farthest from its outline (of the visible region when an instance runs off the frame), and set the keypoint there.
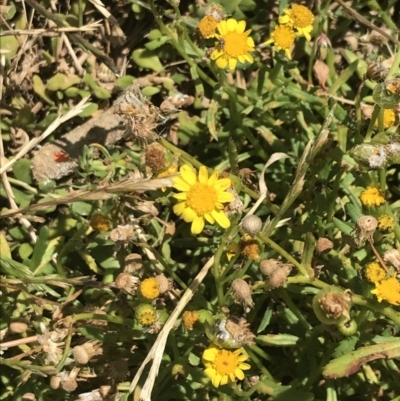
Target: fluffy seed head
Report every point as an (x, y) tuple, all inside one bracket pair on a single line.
[(252, 224), (134, 264), (83, 353), (164, 284), (155, 156), (393, 257)]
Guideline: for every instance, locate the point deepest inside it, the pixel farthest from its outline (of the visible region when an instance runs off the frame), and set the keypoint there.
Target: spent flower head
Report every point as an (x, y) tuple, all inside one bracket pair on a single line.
[(234, 44), (201, 198), (207, 26)]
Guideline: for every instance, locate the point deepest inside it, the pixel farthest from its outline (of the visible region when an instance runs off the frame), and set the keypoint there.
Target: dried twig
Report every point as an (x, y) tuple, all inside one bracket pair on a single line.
[(157, 350)]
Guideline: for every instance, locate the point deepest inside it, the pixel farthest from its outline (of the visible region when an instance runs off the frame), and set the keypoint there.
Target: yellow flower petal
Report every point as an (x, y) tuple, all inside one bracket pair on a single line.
[(188, 174), (197, 225), (225, 197), (239, 374), (241, 26), (222, 62), (216, 54), (210, 353), (180, 184), (203, 175), (232, 63), (213, 178), (221, 218), (224, 183), (232, 24), (180, 196), (189, 215), (179, 208), (216, 380), (209, 218), (284, 19), (223, 28)]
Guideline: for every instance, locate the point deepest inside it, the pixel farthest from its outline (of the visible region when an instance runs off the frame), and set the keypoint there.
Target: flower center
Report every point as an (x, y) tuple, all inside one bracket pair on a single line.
[(201, 198), (235, 44), (226, 362), (301, 16), (283, 36)]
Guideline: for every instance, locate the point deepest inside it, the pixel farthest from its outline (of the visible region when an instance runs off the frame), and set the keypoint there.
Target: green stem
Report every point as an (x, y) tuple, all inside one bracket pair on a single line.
[(283, 253)]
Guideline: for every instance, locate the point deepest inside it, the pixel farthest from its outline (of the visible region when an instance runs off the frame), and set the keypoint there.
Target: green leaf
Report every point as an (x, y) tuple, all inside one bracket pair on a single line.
[(342, 226), (156, 43), (25, 250), (40, 247), (89, 110), (385, 98), (149, 91), (40, 89), (4, 247), (147, 59), (82, 208), (22, 171), (61, 82)]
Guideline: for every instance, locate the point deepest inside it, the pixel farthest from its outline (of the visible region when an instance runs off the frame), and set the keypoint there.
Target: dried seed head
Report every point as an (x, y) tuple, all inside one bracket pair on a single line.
[(173, 103), (279, 276), (28, 397), (324, 245), (393, 257), (101, 223), (155, 156), (239, 332), (189, 318), (366, 226), (332, 305), (134, 265), (19, 326), (164, 284), (69, 385), (104, 391), (235, 206), (55, 382), (376, 71), (122, 233), (119, 369), (127, 283), (215, 11), (83, 353), (267, 266), (252, 224), (242, 293)]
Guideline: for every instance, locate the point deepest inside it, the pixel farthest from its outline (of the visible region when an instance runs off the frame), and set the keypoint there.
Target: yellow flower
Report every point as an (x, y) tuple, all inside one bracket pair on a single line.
[(100, 223), (223, 366), (385, 222), (374, 272), (145, 314), (234, 44), (283, 38), (372, 197), (189, 318), (150, 288), (389, 118), (172, 169), (388, 290), (300, 18), (207, 26), (201, 198)]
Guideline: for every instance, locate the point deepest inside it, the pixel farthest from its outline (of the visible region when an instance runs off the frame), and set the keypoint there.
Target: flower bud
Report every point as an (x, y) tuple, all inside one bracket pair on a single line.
[(278, 277), (83, 353), (347, 327), (164, 284), (145, 314)]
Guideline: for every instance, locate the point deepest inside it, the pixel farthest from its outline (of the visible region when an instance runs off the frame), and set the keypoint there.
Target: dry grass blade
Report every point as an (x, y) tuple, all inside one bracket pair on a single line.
[(50, 129), (52, 31), (157, 350), (103, 10), (102, 193)]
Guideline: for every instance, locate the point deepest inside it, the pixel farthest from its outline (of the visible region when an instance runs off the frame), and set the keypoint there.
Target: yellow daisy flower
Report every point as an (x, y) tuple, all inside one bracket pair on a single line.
[(385, 222), (234, 44), (283, 37), (201, 198), (223, 366), (372, 196), (150, 289), (388, 290), (389, 118), (207, 26), (374, 272), (300, 18)]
